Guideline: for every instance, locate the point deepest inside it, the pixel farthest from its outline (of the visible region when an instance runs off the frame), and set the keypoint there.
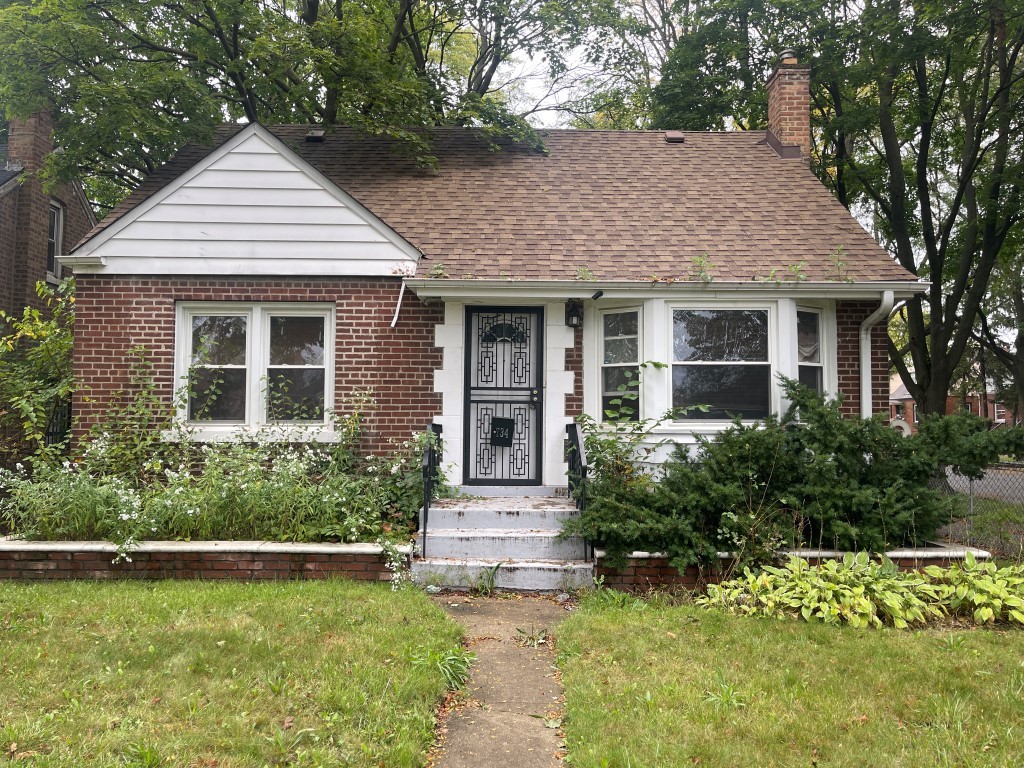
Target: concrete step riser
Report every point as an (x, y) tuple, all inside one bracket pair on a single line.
[(530, 519), (526, 577), (507, 546), (513, 491)]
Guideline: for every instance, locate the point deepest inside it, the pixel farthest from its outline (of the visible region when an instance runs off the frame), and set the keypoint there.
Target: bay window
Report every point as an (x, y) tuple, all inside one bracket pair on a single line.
[(255, 364)]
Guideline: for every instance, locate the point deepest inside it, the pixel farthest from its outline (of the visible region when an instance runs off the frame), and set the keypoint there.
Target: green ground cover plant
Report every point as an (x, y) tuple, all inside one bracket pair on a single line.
[(863, 592), (651, 684), (808, 478), (212, 674)]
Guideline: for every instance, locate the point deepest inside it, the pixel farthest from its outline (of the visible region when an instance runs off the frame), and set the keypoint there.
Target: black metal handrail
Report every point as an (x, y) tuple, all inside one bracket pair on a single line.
[(430, 465), (576, 455)]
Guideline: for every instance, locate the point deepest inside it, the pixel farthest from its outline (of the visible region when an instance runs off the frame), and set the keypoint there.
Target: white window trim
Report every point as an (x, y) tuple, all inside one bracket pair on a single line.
[(601, 365), (257, 362), (53, 276)]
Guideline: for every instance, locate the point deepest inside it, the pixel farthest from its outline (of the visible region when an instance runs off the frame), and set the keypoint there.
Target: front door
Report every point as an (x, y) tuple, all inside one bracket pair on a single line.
[(503, 396)]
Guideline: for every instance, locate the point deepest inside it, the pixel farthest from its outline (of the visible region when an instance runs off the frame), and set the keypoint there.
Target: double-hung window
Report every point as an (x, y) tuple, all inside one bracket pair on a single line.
[(54, 235), (254, 364), (620, 365), (811, 364), (720, 360)]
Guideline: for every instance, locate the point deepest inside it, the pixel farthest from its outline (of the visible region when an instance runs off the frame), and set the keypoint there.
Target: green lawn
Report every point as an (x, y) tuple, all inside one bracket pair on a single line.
[(218, 675), (679, 686)]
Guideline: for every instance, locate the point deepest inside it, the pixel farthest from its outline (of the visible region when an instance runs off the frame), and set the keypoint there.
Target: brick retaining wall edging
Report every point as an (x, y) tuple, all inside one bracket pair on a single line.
[(238, 560), (651, 570)]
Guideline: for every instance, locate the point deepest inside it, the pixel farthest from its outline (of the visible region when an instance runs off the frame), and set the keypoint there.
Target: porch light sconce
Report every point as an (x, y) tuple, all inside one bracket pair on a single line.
[(574, 314)]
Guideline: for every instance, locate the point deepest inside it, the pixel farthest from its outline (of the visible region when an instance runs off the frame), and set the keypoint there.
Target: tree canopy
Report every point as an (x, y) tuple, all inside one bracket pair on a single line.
[(916, 127), (130, 81)]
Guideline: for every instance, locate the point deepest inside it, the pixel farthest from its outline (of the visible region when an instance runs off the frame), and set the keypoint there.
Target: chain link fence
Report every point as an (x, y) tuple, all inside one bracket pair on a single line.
[(988, 513)]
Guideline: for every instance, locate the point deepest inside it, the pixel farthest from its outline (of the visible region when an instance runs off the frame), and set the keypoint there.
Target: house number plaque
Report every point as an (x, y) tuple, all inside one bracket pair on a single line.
[(502, 431)]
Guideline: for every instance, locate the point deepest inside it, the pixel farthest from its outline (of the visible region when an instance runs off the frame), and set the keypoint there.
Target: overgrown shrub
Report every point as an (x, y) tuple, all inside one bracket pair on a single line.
[(809, 478), (863, 592)]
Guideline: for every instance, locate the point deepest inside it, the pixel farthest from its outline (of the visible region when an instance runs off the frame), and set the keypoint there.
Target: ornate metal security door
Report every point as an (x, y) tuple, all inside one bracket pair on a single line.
[(503, 396)]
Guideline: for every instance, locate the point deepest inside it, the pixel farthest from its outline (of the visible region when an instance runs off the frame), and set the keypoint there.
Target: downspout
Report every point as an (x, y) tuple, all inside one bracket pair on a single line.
[(398, 306), (888, 299)]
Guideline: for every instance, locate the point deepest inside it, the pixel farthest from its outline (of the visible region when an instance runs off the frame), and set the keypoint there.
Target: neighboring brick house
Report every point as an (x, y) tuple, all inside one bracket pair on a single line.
[(499, 294), (903, 408), (36, 225)]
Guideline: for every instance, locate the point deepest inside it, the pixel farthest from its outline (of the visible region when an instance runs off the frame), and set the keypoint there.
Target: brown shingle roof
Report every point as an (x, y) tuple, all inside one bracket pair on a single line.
[(621, 205)]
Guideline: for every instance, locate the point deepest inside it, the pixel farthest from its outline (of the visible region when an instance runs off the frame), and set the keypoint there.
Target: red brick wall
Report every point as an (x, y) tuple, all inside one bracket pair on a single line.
[(8, 238), (789, 106), (116, 313), (849, 316), (244, 566), (25, 216), (574, 363)]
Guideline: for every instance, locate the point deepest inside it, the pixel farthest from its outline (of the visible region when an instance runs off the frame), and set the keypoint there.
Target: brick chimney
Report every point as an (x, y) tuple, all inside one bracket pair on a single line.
[(24, 259), (30, 140), (789, 103)]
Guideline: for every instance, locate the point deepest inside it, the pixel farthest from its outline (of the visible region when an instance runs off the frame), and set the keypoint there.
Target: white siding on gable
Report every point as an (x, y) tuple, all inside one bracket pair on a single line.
[(252, 207)]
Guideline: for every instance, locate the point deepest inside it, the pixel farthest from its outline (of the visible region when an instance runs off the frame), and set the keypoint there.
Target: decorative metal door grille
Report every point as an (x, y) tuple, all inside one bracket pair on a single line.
[(503, 396)]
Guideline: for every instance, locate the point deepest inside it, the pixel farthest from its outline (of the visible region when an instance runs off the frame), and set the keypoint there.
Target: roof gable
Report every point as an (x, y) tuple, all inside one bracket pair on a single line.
[(252, 206)]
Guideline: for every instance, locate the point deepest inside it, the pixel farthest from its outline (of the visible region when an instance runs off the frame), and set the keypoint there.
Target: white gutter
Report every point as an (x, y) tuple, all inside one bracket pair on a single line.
[(82, 262), (629, 289), (888, 299)]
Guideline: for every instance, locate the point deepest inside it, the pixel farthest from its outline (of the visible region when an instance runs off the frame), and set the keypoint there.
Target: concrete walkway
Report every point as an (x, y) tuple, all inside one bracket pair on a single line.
[(514, 704)]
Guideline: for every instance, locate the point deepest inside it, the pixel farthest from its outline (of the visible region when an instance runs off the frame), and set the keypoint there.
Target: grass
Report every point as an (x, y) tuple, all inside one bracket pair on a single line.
[(209, 675), (679, 686)]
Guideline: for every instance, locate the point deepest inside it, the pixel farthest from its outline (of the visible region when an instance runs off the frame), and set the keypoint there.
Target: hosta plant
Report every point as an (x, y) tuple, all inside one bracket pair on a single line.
[(857, 591), (981, 591)]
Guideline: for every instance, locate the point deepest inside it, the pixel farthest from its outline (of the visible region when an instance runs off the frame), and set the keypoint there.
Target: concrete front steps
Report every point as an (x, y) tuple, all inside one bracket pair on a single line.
[(502, 542)]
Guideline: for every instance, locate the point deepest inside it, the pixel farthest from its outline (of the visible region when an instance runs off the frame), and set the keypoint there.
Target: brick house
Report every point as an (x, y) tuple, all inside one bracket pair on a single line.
[(499, 294), (903, 409), (36, 225)]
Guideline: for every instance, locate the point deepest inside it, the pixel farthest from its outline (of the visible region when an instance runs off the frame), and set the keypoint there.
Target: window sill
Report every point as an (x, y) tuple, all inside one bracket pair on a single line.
[(267, 433)]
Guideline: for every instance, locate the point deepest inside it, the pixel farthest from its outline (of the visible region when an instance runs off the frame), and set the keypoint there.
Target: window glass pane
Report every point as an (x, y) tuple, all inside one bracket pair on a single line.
[(810, 376), (297, 340), (621, 350), (295, 394), (51, 241), (218, 339), (624, 379), (808, 337), (620, 394), (620, 324), (728, 334), (729, 390), (217, 394)]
